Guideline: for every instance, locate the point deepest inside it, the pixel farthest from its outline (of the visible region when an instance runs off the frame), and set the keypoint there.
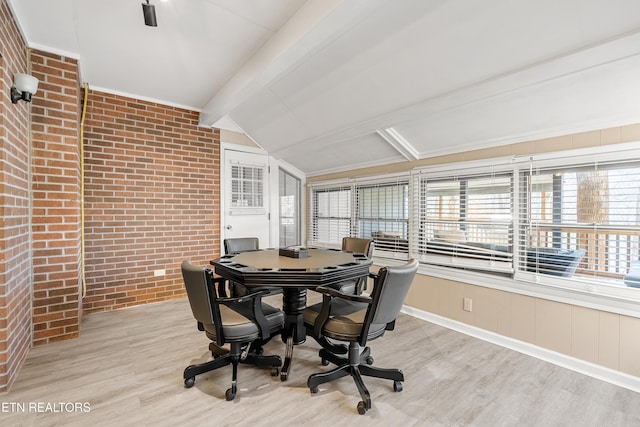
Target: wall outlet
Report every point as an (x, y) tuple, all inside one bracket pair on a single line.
[(467, 304), (157, 273)]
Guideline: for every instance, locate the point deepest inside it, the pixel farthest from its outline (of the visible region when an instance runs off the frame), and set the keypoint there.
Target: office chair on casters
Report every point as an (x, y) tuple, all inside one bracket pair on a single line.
[(360, 246), (240, 244), (236, 245), (246, 323), (357, 319)]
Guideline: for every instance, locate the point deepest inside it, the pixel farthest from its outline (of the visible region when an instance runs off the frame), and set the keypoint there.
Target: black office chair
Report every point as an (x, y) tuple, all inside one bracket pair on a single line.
[(236, 245), (240, 244), (360, 246), (357, 319), (246, 323)]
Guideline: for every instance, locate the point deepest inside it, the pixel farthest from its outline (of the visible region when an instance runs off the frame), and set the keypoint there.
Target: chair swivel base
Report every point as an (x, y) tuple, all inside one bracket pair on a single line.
[(361, 366), (233, 358)]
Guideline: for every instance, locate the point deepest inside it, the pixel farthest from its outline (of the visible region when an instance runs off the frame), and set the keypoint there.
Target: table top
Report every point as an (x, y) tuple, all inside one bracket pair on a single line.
[(267, 267)]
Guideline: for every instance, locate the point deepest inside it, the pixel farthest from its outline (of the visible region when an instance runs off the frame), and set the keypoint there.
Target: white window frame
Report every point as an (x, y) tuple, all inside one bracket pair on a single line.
[(353, 185), (476, 259), (574, 290)]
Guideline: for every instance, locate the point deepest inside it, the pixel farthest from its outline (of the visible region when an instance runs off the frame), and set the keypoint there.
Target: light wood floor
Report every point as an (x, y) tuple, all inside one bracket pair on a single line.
[(127, 365)]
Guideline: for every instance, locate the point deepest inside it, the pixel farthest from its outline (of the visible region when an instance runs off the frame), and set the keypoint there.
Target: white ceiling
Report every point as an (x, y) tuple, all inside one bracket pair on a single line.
[(329, 85)]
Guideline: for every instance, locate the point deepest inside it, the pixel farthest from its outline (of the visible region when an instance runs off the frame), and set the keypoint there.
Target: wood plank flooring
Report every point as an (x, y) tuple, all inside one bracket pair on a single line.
[(127, 366)]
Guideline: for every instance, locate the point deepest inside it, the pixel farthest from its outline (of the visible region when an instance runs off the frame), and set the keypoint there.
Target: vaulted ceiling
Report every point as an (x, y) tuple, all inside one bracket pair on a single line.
[(330, 85)]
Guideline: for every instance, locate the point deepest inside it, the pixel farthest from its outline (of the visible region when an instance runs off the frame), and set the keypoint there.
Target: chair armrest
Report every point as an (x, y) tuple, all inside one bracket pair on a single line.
[(330, 292), (258, 314), (253, 295)]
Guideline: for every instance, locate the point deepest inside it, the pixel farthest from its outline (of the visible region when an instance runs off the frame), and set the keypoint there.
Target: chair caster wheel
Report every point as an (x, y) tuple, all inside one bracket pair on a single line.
[(324, 362), (369, 360), (397, 386), (275, 371), (283, 376), (188, 382), (313, 390), (230, 394), (362, 408)]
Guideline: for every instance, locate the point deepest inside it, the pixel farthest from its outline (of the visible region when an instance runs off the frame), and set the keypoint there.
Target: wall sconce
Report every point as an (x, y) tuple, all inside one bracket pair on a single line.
[(23, 87), (149, 12)]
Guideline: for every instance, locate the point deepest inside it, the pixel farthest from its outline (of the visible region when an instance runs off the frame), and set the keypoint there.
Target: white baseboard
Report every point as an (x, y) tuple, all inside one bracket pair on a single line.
[(596, 371)]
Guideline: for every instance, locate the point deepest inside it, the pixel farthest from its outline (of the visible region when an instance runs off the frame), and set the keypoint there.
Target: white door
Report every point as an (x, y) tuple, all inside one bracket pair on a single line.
[(245, 191)]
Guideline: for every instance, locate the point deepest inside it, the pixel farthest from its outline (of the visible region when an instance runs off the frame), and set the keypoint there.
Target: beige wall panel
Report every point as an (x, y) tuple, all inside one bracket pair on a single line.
[(609, 340), (230, 137), (523, 317), (484, 312), (554, 144), (504, 313), (587, 139), (630, 345), (585, 333), (423, 294), (523, 149), (504, 150), (553, 326), (450, 299), (610, 136), (630, 133)]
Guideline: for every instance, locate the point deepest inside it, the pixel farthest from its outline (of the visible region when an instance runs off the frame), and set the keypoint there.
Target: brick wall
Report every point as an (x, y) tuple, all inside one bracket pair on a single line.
[(152, 191), (56, 198), (15, 262), (152, 186)]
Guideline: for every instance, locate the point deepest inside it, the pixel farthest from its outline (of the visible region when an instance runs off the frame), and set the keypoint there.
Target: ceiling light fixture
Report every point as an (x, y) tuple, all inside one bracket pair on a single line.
[(23, 87), (149, 12)]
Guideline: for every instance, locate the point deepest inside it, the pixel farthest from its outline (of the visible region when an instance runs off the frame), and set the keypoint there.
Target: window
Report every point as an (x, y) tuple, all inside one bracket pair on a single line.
[(581, 221), (289, 195), (467, 221), (331, 216), (369, 210), (560, 221), (383, 216), (246, 187)]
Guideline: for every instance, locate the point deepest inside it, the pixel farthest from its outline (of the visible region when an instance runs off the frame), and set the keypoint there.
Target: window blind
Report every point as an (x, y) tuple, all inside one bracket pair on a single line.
[(382, 215), (466, 221), (370, 209), (581, 221), (330, 215)]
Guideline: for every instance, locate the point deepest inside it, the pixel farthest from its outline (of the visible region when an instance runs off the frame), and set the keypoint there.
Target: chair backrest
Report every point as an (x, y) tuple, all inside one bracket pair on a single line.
[(202, 297), (388, 295), (240, 244), (357, 245)]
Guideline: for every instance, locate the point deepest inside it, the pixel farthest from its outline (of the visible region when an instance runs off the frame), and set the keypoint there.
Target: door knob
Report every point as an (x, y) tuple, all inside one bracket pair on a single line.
[(228, 227)]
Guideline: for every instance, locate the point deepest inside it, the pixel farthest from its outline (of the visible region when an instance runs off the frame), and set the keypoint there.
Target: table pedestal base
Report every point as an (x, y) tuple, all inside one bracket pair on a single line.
[(294, 300)]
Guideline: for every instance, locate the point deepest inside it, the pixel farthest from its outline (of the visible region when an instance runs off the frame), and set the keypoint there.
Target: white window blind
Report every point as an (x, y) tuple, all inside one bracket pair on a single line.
[(330, 215), (466, 221), (370, 209), (247, 190), (581, 221), (382, 215)]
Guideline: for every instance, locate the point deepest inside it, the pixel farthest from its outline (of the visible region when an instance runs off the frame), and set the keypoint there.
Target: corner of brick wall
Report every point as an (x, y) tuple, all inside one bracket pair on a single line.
[(56, 198), (15, 263)]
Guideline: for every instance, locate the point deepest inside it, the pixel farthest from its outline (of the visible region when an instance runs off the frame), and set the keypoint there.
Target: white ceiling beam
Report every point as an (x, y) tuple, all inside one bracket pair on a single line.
[(313, 26), (399, 143)]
